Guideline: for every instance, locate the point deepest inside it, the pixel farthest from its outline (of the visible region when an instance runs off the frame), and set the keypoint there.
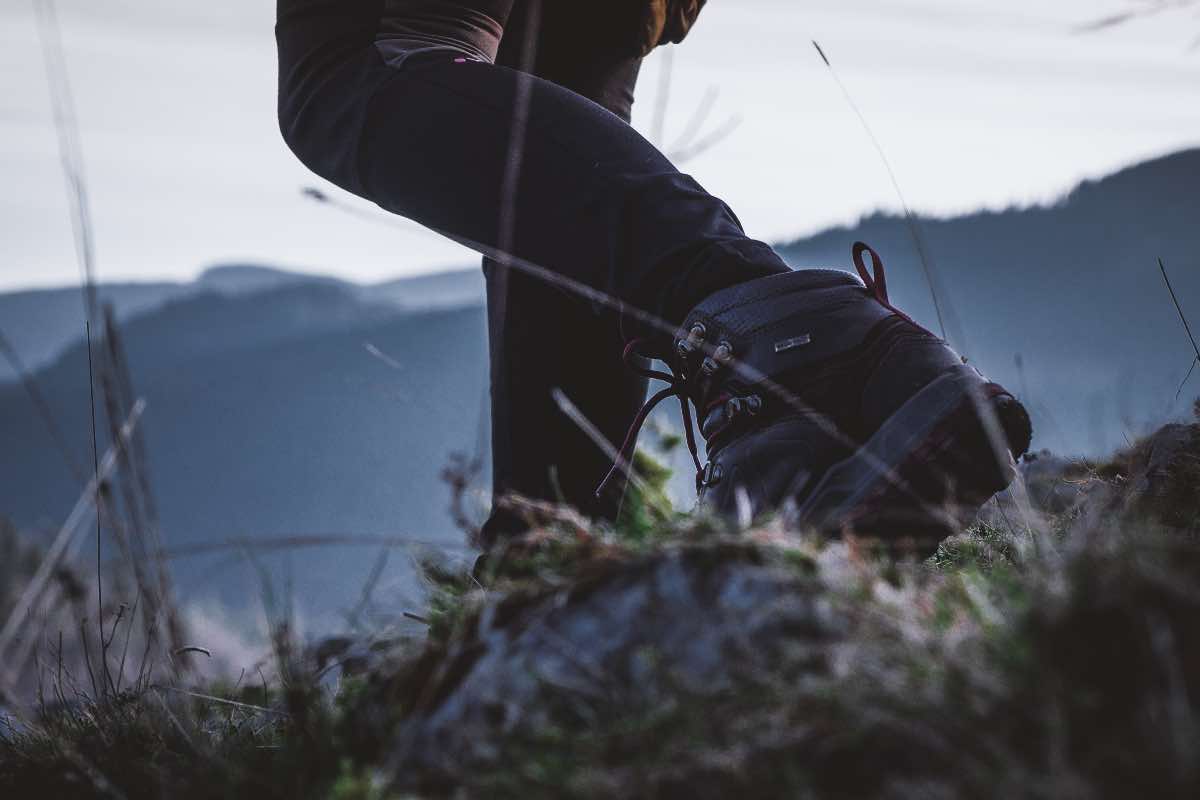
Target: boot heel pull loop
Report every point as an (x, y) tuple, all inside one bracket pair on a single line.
[(876, 283)]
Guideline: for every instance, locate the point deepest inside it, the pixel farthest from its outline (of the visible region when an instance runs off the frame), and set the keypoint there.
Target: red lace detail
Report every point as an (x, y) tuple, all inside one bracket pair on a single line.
[(876, 280)]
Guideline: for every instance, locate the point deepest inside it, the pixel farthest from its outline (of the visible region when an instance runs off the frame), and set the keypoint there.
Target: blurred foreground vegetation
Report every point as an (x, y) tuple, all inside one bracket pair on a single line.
[(1051, 650)]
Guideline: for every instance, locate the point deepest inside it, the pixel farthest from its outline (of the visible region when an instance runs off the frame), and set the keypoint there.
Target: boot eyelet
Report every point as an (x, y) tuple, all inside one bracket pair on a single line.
[(737, 406), (713, 472), (720, 357), (687, 347)]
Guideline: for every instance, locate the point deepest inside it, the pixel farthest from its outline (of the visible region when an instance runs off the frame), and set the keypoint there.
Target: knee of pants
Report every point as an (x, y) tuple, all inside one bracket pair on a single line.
[(331, 154), (321, 116)]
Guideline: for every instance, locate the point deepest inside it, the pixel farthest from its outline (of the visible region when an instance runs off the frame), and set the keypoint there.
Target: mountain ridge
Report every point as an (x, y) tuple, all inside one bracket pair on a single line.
[(41, 323)]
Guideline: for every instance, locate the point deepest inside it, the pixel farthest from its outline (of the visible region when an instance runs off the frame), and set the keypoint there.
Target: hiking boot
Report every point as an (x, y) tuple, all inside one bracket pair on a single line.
[(817, 396)]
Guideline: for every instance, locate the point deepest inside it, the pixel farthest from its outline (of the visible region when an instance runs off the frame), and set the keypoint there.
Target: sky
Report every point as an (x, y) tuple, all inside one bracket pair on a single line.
[(977, 103)]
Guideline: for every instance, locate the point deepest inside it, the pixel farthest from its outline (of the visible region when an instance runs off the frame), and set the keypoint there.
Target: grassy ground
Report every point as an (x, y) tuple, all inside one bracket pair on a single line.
[(1053, 657)]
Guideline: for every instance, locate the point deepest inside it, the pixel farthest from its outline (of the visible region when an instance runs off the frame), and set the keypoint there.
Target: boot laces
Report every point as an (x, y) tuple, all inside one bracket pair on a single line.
[(875, 281), (677, 386)]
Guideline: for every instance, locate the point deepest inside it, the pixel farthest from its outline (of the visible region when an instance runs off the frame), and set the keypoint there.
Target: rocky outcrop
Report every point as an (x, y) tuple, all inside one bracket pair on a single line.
[(690, 622), (1154, 480), (1164, 473), (772, 666)]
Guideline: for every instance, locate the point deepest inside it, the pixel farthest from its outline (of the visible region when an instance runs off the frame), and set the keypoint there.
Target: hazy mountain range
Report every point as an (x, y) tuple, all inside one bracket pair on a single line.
[(282, 404), (276, 406), (41, 323)]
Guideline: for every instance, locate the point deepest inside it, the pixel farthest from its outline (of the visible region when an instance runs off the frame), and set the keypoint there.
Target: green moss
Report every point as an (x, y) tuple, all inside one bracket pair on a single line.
[(646, 509)]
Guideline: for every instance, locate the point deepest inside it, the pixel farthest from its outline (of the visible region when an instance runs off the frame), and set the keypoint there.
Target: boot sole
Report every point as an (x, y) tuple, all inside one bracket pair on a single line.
[(928, 468)]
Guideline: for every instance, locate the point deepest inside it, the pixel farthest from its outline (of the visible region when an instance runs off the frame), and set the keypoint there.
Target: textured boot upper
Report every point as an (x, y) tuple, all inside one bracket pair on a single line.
[(776, 326), (815, 362)]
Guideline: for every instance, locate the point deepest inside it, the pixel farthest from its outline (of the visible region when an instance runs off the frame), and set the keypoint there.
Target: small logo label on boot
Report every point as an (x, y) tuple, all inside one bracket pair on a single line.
[(793, 343)]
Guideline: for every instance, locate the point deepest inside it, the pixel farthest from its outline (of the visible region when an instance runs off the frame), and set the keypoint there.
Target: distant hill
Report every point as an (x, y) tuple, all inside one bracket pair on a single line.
[(244, 278), (298, 410), (453, 289), (42, 323)]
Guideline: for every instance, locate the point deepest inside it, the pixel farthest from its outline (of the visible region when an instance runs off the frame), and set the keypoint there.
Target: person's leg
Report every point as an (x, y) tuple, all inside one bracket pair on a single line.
[(591, 199), (577, 46), (508, 162), (435, 140), (543, 339)]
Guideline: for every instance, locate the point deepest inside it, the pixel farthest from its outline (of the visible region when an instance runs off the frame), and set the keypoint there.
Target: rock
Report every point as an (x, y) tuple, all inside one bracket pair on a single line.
[(716, 668), (1153, 479), (691, 622), (1052, 485), (1163, 472)]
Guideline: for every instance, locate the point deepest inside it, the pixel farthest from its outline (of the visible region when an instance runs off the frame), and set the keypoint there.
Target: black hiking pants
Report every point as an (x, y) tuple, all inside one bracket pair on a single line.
[(537, 163)]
